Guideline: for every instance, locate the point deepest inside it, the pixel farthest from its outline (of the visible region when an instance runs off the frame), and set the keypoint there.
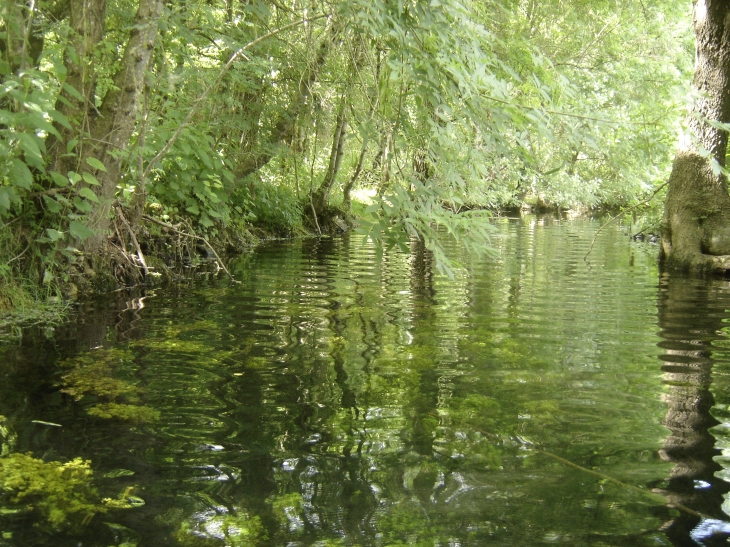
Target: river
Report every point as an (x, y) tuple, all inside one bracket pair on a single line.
[(337, 396)]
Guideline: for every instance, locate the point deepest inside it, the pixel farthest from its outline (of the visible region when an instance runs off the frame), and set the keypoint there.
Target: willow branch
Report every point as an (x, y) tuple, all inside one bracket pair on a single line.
[(224, 70)]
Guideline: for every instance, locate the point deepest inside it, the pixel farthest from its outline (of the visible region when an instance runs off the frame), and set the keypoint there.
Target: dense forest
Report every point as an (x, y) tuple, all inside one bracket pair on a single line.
[(133, 132)]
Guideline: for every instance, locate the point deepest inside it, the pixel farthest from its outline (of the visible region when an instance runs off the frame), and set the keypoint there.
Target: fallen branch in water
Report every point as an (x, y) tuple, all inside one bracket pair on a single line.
[(608, 478), (193, 236), (647, 200)]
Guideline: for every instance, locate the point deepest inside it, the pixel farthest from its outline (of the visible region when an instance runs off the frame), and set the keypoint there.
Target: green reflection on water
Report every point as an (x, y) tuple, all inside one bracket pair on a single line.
[(340, 398)]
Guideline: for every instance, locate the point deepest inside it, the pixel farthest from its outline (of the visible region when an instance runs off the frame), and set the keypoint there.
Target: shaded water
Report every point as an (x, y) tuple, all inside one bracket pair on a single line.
[(336, 397)]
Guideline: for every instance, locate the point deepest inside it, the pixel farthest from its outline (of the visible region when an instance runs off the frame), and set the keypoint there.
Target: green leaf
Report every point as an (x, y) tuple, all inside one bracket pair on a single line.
[(51, 204), (88, 194), (54, 235), (59, 179), (70, 145), (6, 196), (79, 231), (59, 118), (83, 205), (90, 179), (96, 164), (20, 175), (31, 147), (73, 177), (72, 91), (205, 221)]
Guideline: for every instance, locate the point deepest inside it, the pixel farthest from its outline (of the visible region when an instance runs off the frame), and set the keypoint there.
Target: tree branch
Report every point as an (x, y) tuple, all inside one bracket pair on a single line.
[(224, 70)]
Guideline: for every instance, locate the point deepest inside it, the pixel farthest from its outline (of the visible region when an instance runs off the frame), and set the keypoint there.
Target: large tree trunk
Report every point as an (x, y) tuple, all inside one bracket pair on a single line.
[(87, 19), (103, 133), (320, 197), (696, 224), (112, 130)]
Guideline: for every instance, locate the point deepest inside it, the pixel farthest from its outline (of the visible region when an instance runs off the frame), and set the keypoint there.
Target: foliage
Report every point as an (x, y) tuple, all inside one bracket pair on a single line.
[(444, 107), (8, 438), (62, 493), (132, 413)]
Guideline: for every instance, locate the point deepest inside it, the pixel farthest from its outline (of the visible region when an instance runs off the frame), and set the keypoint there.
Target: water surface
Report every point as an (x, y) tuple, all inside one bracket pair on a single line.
[(341, 397)]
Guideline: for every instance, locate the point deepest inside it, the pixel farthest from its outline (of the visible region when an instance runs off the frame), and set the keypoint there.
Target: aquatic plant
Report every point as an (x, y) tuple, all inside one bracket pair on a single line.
[(62, 493), (131, 413), (92, 374), (58, 491), (7, 437)]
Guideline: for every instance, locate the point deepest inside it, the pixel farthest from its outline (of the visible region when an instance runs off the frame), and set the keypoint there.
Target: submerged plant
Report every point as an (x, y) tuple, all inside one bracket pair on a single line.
[(93, 375), (131, 413), (58, 491), (7, 437)]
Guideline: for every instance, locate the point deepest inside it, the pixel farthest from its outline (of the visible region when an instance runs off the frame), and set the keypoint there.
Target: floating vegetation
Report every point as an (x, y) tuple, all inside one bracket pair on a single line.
[(62, 493), (92, 375)]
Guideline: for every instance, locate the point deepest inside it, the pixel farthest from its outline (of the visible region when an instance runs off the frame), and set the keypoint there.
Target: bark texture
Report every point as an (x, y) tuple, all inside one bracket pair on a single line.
[(696, 224), (320, 197), (112, 131)]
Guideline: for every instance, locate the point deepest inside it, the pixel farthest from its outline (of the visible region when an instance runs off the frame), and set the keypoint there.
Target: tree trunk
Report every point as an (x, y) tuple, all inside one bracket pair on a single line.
[(346, 191), (117, 118), (285, 125), (696, 224), (320, 197)]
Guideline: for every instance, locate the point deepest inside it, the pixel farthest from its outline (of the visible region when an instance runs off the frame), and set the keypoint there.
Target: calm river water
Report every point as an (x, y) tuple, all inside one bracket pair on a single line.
[(337, 397)]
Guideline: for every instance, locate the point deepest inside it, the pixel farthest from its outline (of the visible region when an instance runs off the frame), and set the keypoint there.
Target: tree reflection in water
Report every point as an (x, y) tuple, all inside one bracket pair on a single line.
[(692, 314)]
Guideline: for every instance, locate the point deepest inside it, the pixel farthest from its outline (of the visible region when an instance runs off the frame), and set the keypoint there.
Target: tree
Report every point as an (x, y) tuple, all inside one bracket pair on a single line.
[(696, 223)]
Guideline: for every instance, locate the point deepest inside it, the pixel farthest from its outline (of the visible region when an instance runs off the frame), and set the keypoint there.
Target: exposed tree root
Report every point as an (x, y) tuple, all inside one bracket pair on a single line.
[(140, 256), (192, 236)]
